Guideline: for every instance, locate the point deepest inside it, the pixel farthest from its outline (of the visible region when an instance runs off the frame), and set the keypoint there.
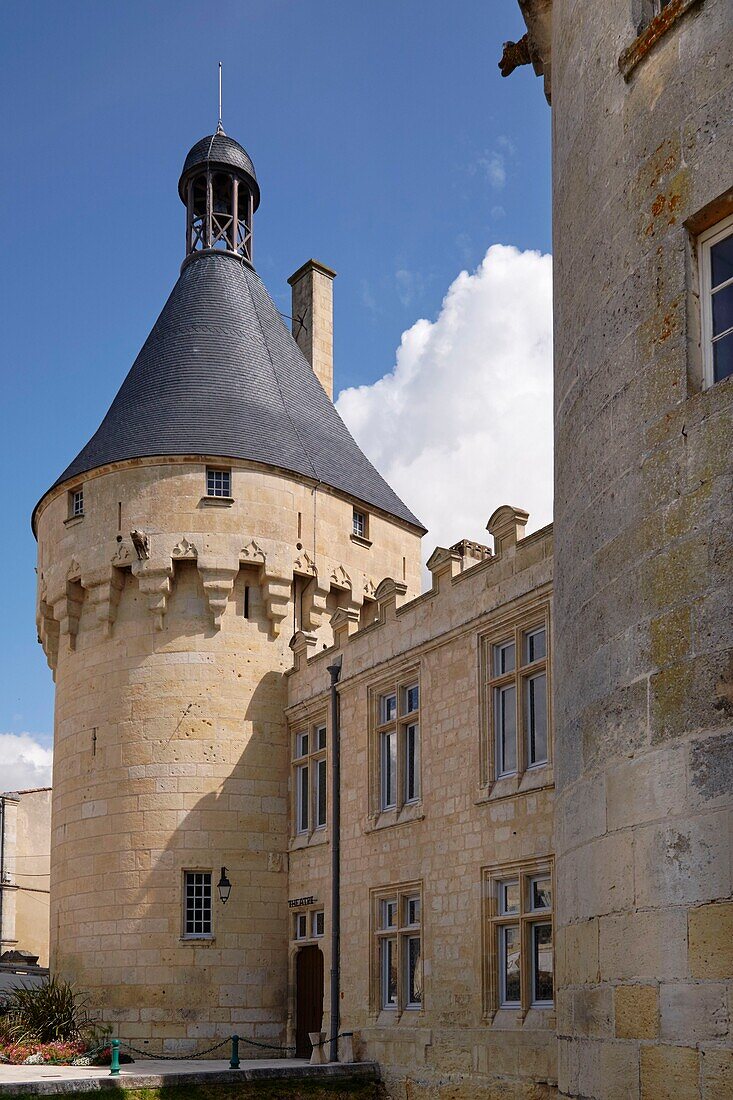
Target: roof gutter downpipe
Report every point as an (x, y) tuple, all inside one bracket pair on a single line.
[(334, 671)]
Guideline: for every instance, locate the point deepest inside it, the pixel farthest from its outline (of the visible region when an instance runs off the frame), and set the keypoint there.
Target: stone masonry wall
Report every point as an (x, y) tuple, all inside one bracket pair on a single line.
[(453, 1047), (643, 672), (170, 737)]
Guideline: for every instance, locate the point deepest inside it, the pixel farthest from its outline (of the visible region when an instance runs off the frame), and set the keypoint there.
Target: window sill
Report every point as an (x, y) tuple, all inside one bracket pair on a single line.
[(73, 520), (655, 29), (360, 541), (396, 1017), (534, 779), (411, 811), (308, 840), (203, 940), (515, 1019), (216, 502)]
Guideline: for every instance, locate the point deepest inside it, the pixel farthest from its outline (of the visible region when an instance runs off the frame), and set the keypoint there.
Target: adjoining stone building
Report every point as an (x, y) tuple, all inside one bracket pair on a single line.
[(229, 596), (25, 841)]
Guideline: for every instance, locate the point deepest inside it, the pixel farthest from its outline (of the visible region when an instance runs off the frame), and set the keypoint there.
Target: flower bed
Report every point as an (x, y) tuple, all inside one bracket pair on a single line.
[(51, 1054)]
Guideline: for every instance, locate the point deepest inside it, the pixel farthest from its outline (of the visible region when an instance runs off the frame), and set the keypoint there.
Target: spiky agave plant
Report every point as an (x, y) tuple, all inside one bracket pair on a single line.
[(52, 1012)]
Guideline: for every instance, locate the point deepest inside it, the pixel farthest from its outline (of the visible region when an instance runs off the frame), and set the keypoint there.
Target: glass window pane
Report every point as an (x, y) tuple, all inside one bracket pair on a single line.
[(318, 923), (302, 780), (535, 645), (412, 911), (387, 708), (509, 897), (301, 744), (388, 768), (721, 260), (723, 310), (542, 978), (510, 957), (504, 658), (723, 358), (321, 793), (321, 737), (389, 914), (411, 699), (505, 719), (412, 762), (414, 974), (535, 718), (388, 949), (541, 893)]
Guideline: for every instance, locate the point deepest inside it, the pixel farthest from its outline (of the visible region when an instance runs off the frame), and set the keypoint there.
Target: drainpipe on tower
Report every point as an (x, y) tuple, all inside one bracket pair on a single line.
[(334, 671)]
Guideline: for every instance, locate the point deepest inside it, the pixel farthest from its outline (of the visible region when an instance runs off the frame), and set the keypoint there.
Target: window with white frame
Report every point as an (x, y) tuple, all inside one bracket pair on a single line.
[(308, 924), (520, 965), (197, 903), (397, 744), (716, 300), (398, 948), (76, 503), (516, 694), (360, 524), (218, 482), (310, 776)]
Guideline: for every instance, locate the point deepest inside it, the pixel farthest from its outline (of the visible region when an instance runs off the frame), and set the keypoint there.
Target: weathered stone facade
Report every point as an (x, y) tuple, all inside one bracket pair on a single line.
[(642, 148), (460, 1043), (170, 742), (25, 832)]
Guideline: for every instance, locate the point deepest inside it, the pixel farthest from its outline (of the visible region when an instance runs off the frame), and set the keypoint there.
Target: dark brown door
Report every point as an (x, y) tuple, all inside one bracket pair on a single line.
[(308, 998)]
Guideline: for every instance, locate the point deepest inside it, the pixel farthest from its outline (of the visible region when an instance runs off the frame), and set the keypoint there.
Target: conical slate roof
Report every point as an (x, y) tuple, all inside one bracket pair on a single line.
[(221, 375)]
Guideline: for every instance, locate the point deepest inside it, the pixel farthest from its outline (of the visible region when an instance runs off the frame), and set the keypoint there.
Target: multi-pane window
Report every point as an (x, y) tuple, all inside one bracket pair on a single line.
[(397, 740), (517, 699), (310, 779), (197, 903), (519, 917), (716, 269), (309, 924), (360, 526), (218, 482), (398, 948), (76, 503)]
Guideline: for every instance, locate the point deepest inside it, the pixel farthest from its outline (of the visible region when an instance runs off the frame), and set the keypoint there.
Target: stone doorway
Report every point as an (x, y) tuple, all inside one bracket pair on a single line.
[(308, 998)]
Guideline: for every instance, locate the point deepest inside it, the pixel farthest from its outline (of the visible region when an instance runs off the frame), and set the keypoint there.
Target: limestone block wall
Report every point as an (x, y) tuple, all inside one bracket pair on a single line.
[(456, 1046), (170, 738), (32, 856), (643, 557)]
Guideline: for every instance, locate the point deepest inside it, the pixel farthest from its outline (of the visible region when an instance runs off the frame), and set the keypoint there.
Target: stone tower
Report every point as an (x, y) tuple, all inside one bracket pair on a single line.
[(220, 506), (643, 684)]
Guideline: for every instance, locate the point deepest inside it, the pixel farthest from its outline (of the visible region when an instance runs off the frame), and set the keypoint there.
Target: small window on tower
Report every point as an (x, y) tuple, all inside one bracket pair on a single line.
[(360, 525), (218, 482), (76, 503), (716, 301)]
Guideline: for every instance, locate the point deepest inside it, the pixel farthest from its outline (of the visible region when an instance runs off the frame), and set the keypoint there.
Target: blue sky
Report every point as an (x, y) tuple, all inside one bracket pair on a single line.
[(386, 143)]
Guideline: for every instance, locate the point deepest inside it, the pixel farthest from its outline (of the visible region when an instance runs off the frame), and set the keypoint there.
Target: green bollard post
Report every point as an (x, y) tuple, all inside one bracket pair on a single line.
[(234, 1060), (114, 1069)]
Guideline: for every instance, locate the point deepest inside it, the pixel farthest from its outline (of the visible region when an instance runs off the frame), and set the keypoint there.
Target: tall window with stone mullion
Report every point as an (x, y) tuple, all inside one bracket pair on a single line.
[(310, 780), (516, 669), (398, 744), (398, 949)]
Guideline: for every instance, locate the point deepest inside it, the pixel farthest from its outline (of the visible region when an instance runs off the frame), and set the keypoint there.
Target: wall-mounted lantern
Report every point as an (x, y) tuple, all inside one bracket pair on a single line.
[(224, 887)]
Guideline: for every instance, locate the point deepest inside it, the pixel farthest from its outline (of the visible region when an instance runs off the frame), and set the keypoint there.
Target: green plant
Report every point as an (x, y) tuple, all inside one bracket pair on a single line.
[(48, 1013)]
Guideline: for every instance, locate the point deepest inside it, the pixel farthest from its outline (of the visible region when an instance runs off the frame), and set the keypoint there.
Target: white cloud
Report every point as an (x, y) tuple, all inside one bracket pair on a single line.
[(24, 762), (463, 423), (493, 165)]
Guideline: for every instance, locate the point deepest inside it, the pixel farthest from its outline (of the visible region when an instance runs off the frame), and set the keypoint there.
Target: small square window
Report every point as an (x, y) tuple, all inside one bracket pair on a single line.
[(76, 503), (359, 525), (318, 923), (301, 926), (218, 482)]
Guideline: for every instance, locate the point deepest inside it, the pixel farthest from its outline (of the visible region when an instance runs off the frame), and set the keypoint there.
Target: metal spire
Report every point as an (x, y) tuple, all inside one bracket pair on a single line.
[(219, 127)]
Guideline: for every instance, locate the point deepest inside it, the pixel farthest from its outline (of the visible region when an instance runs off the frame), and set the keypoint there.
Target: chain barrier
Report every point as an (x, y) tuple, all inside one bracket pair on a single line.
[(173, 1057)]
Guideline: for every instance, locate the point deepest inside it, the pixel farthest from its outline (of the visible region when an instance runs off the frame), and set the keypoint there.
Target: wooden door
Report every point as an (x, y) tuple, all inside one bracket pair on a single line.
[(308, 998)]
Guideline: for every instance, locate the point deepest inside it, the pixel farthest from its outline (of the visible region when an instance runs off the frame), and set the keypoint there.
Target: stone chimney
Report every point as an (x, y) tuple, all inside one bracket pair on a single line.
[(312, 310)]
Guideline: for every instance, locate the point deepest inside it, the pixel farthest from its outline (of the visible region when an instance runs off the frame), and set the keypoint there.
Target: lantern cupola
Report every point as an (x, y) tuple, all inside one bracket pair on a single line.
[(219, 188)]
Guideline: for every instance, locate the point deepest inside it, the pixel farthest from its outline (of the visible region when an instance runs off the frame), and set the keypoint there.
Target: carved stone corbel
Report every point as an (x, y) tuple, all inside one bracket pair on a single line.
[(314, 605), (105, 588), (67, 610), (154, 580), (277, 595), (304, 566), (218, 582), (48, 628)]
